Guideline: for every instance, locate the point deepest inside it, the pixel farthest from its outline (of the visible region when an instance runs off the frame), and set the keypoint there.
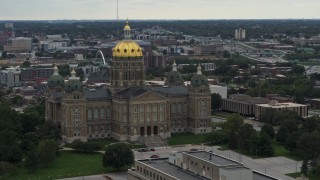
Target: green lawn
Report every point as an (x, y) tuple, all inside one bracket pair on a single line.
[(186, 138), (279, 150), (309, 63), (68, 164), (103, 142), (295, 175)]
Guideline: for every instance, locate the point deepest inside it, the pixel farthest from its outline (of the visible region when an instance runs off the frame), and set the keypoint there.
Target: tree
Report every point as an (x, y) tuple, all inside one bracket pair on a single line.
[(245, 132), (32, 160), (11, 154), (232, 125), (304, 167), (47, 151), (309, 145), (268, 130), (49, 130), (226, 54), (217, 137), (215, 101), (26, 64), (297, 69), (118, 156), (282, 135), (264, 146)]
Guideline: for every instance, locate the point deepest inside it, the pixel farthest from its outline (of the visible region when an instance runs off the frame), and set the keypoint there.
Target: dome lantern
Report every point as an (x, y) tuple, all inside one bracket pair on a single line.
[(127, 30)]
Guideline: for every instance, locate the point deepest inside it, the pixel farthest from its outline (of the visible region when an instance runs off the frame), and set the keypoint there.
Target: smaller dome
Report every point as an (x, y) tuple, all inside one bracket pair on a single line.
[(73, 84), (199, 79), (56, 80), (174, 76)]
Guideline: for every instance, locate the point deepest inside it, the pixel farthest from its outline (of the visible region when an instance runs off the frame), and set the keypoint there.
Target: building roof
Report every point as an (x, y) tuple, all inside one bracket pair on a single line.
[(130, 92), (97, 94), (281, 105), (217, 160), (172, 170), (172, 90)]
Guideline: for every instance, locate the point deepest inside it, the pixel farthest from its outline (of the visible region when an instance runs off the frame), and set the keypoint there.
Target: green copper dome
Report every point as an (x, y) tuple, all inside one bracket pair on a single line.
[(174, 75), (199, 79), (55, 80), (73, 83)]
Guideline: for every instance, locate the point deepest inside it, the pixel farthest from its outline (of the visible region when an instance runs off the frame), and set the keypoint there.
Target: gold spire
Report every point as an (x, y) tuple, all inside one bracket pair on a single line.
[(127, 27)]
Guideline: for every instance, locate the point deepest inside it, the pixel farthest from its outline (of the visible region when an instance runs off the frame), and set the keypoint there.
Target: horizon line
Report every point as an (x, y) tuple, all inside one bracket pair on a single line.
[(160, 19)]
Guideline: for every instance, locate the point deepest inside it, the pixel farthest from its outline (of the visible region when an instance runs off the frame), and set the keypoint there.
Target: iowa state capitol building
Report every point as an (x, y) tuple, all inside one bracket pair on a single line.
[(127, 109)]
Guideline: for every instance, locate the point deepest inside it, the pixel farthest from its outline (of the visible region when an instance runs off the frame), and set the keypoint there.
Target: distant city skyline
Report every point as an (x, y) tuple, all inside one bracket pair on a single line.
[(160, 9)]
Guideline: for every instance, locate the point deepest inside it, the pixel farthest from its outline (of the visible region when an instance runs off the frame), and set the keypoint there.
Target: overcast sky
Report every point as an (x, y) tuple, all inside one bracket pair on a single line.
[(158, 9)]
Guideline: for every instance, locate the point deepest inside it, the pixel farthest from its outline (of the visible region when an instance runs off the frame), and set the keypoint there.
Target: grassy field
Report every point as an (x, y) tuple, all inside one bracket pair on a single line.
[(279, 150), (309, 63), (295, 175), (68, 164), (186, 138)]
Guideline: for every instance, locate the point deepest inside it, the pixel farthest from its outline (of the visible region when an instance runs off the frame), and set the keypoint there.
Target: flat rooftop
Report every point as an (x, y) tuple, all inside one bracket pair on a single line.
[(217, 160), (281, 105), (164, 166), (172, 170)]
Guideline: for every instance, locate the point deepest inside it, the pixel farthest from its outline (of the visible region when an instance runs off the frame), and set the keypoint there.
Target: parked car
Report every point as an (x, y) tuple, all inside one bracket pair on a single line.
[(154, 156), (143, 150), (193, 149), (152, 149)]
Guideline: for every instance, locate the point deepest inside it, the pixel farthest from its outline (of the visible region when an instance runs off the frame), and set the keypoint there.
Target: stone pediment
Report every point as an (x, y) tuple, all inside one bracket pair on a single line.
[(148, 96)]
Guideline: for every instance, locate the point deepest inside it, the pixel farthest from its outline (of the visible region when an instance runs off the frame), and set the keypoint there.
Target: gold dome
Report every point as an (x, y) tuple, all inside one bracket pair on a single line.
[(127, 49)]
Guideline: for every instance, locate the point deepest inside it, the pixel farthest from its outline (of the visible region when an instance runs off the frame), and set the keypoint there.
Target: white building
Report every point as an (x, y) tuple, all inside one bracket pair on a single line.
[(221, 90), (50, 45), (10, 77), (240, 34)]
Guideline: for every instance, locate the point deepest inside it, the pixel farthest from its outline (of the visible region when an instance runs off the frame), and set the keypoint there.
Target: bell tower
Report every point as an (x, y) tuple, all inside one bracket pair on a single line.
[(127, 67)]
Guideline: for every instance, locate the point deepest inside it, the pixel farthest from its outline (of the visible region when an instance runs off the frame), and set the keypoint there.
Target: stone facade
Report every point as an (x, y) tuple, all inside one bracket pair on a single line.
[(128, 110)]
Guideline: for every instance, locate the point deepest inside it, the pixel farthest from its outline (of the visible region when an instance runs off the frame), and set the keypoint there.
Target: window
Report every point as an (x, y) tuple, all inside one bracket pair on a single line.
[(76, 111), (141, 108), (108, 113), (89, 114), (102, 113), (161, 107), (155, 107), (95, 113)]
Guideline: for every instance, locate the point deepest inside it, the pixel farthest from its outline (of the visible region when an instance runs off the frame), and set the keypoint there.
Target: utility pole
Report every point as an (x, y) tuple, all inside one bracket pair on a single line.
[(118, 19)]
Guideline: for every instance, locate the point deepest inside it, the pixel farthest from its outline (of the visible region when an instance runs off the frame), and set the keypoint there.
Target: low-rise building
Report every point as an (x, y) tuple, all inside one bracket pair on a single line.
[(32, 73), (241, 103), (18, 44), (314, 103), (10, 77), (300, 109), (193, 165)]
